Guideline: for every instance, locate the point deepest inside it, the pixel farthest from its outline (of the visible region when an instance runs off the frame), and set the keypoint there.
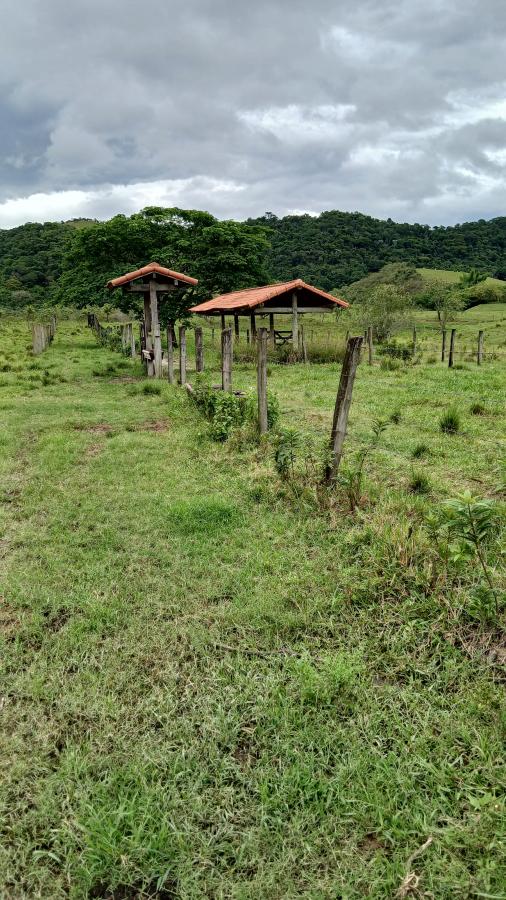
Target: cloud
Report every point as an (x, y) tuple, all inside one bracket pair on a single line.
[(396, 109)]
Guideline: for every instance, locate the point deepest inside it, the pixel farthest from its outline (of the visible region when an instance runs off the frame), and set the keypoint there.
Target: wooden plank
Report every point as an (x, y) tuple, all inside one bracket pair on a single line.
[(342, 407), (226, 359), (182, 354), (287, 310), (199, 351), (263, 423), (161, 288)]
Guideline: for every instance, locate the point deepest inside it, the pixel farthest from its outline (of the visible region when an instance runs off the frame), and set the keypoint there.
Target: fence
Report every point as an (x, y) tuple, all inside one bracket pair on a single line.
[(117, 335), (43, 335)]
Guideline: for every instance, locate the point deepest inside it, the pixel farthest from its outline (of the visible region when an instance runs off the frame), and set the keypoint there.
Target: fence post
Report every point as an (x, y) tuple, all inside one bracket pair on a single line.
[(272, 336), (247, 335), (480, 348), (369, 344), (132, 340), (226, 359), (170, 353), (443, 345), (452, 347), (199, 351), (303, 344), (414, 340), (236, 328), (342, 407), (182, 354), (262, 380)]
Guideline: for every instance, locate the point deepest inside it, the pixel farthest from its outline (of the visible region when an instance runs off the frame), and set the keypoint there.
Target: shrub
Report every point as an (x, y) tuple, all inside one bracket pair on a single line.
[(151, 388), (419, 484), (394, 350), (226, 411), (449, 422), (390, 365), (286, 445)]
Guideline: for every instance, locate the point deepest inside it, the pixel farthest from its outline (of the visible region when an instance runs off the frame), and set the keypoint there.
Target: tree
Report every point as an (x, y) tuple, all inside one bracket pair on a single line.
[(472, 278), (386, 308), (446, 299)]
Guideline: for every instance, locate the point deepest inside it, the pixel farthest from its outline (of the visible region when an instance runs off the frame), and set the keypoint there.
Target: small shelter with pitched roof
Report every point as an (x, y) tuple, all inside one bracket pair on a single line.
[(291, 298), (152, 281)]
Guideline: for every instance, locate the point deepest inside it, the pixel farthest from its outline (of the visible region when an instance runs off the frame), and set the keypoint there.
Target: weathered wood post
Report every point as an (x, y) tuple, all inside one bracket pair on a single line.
[(342, 407), (263, 423), (182, 354), (414, 340), (253, 326), (295, 323), (452, 347), (236, 328), (272, 336), (132, 341), (38, 339), (199, 351), (170, 353), (223, 322), (148, 340), (443, 345), (155, 325), (369, 344), (480, 348), (226, 359)]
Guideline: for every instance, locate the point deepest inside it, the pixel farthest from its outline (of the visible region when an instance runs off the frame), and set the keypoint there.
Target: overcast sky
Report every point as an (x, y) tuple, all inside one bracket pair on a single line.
[(390, 107)]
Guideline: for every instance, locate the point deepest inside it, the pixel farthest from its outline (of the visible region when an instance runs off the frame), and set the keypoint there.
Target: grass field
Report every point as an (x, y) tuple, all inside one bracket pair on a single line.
[(451, 277), (217, 684)]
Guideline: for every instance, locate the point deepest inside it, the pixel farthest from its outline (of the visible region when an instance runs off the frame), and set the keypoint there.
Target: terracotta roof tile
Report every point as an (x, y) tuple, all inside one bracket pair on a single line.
[(251, 297), (148, 270)]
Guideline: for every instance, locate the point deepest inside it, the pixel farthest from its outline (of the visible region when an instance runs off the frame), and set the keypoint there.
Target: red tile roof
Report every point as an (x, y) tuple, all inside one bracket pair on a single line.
[(251, 297), (148, 270)]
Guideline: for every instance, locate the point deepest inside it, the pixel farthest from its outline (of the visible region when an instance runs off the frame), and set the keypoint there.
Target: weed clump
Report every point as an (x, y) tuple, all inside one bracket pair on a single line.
[(478, 409), (420, 450), (449, 422), (419, 484), (151, 388)]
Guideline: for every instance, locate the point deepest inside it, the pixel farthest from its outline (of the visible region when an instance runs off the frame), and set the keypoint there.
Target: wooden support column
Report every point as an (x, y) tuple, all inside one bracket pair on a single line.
[(263, 422), (182, 355), (253, 326), (452, 347), (272, 336), (155, 326), (342, 407), (199, 351), (236, 328), (443, 346), (226, 359), (480, 348), (295, 322), (148, 340), (170, 353)]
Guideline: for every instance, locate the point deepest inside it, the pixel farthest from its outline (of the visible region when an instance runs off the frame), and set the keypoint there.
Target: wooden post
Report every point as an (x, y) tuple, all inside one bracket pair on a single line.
[(155, 325), (443, 345), (199, 351), (170, 353), (132, 341), (452, 347), (236, 328), (303, 344), (39, 339), (226, 359), (253, 327), (148, 340), (263, 423), (223, 322), (247, 335), (272, 336), (182, 354), (414, 340), (295, 323), (369, 344), (342, 407), (480, 348)]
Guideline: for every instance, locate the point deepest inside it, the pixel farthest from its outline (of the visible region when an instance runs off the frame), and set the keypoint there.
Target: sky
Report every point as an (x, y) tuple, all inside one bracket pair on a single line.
[(395, 108)]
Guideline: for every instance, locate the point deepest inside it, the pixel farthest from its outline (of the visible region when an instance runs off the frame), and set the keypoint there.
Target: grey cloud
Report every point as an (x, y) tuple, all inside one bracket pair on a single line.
[(97, 95)]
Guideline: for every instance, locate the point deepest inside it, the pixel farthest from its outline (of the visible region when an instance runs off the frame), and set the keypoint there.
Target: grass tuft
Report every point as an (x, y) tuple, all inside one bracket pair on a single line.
[(450, 422)]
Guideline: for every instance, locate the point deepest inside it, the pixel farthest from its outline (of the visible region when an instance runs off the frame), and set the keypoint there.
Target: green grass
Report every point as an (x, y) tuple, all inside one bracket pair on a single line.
[(450, 277), (213, 684)]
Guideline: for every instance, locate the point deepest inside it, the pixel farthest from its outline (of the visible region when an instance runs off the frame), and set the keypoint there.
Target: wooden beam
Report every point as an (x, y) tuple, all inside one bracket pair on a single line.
[(287, 310), (161, 288)]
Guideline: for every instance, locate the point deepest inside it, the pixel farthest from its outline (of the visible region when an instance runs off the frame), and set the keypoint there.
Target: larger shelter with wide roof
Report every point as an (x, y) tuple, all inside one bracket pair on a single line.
[(285, 298)]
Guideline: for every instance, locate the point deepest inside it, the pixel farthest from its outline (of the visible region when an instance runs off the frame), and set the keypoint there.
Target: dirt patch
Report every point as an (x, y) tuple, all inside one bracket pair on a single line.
[(158, 425), (489, 646), (92, 451), (99, 428), (56, 619), (135, 892), (9, 621), (370, 843)]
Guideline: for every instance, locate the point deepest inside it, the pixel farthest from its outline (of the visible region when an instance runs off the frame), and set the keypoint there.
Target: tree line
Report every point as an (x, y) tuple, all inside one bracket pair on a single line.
[(70, 263)]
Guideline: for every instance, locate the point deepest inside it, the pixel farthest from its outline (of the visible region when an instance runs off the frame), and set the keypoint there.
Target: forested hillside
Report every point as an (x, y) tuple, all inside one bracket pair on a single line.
[(330, 250), (336, 248)]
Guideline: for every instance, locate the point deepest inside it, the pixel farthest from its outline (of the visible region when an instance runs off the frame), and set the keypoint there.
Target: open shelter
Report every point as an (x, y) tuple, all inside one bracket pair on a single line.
[(152, 281), (290, 298)]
